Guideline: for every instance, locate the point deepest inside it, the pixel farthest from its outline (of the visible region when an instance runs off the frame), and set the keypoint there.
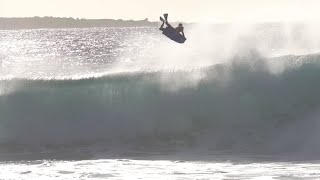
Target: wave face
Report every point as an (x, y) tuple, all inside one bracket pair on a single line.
[(132, 87), (234, 106)]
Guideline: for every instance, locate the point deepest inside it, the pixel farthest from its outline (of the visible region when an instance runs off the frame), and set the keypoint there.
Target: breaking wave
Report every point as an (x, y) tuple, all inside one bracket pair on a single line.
[(237, 106)]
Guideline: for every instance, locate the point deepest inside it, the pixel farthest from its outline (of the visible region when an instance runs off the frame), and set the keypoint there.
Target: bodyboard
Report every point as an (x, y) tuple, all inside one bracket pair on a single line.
[(171, 33)]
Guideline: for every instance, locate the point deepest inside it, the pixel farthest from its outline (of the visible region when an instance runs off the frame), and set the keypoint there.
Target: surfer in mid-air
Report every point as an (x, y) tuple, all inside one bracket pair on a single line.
[(179, 29), (175, 34)]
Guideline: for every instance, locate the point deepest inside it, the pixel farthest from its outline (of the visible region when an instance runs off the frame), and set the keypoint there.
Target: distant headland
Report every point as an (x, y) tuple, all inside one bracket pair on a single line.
[(56, 22)]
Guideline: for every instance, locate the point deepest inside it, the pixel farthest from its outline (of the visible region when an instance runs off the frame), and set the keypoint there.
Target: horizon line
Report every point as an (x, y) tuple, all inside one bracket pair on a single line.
[(147, 19)]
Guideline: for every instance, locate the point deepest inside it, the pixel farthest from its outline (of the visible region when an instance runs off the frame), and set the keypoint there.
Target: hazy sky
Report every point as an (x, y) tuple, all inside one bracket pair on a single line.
[(179, 10)]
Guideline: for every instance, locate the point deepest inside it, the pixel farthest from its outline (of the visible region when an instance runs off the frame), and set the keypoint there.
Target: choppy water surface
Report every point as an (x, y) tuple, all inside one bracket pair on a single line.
[(54, 53)]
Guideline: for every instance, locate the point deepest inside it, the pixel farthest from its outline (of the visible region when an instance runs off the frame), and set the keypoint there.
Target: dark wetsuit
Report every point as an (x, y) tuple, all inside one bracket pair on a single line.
[(180, 29)]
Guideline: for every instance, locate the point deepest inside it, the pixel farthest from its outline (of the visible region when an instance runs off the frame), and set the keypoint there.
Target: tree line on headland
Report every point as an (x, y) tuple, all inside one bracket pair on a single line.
[(56, 22)]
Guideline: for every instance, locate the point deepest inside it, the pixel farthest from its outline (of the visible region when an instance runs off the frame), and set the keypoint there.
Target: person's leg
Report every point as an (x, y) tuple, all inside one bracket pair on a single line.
[(161, 27), (165, 16), (166, 20), (169, 25)]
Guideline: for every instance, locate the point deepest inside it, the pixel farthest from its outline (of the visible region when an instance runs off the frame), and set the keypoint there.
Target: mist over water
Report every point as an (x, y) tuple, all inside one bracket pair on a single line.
[(231, 87)]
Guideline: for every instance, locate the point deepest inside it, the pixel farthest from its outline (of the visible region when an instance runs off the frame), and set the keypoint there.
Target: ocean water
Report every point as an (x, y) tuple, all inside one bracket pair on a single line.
[(233, 102)]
